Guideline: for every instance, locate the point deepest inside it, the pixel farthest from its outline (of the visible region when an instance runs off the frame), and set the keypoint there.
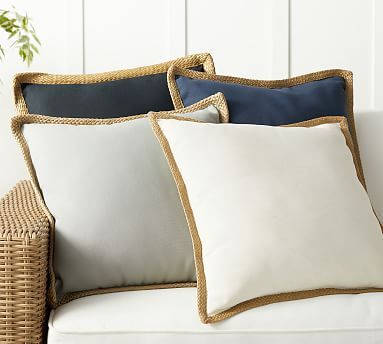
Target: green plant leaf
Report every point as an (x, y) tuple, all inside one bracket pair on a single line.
[(2, 53), (12, 34), (21, 34), (3, 20), (23, 39), (36, 39), (34, 48)]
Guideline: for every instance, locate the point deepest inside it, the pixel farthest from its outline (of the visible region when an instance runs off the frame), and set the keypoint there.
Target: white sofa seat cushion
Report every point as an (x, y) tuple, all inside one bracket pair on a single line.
[(169, 316)]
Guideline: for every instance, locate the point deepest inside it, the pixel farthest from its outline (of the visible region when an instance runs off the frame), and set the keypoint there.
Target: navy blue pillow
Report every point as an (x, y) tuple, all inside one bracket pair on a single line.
[(270, 106)]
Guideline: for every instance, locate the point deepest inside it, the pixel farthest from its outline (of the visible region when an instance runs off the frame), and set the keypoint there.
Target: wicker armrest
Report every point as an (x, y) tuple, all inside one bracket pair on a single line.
[(24, 241)]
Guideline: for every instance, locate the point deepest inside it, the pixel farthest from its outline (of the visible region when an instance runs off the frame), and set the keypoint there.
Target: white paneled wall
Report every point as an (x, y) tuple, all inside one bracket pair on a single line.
[(238, 34), (127, 33), (51, 21), (250, 38), (342, 36)]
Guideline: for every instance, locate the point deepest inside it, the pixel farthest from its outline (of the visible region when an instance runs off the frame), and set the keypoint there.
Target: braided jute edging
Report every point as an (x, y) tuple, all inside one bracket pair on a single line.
[(203, 59), (217, 100), (197, 245), (298, 80)]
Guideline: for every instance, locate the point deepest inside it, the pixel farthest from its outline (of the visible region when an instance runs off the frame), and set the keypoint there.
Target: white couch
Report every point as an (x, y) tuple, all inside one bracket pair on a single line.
[(170, 315)]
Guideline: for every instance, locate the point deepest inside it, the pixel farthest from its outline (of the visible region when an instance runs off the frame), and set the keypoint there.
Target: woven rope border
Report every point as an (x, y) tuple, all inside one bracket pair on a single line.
[(197, 245), (298, 80), (217, 100), (203, 59)]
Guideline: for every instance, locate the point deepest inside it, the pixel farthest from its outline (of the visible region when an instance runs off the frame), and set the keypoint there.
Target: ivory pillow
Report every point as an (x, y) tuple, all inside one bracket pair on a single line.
[(119, 222), (275, 213)]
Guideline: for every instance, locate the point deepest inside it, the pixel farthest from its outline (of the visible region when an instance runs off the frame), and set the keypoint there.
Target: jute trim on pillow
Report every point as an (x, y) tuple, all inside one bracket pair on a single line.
[(201, 280), (204, 59), (298, 80), (217, 100)]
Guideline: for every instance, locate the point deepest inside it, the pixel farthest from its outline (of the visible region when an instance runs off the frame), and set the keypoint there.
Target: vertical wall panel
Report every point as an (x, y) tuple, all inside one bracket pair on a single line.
[(238, 34), (177, 27), (75, 36), (123, 34), (334, 34), (280, 50)]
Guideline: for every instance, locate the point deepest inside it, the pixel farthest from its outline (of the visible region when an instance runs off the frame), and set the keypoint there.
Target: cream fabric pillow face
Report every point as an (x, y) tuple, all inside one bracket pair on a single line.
[(119, 221), (275, 213)]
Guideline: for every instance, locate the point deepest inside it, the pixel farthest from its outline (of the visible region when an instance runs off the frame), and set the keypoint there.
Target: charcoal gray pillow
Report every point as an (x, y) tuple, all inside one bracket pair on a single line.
[(103, 95)]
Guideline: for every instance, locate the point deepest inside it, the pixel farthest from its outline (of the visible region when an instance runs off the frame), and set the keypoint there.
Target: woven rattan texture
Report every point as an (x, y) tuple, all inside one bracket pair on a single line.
[(24, 243), (217, 100), (43, 78), (346, 75), (201, 280)]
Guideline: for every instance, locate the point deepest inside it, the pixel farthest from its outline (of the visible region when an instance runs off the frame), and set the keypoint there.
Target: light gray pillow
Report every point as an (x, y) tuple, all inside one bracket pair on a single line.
[(118, 218)]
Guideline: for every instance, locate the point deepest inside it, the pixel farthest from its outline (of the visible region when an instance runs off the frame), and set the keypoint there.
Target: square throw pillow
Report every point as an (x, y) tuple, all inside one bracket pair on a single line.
[(117, 217), (271, 102), (103, 95), (278, 214)]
